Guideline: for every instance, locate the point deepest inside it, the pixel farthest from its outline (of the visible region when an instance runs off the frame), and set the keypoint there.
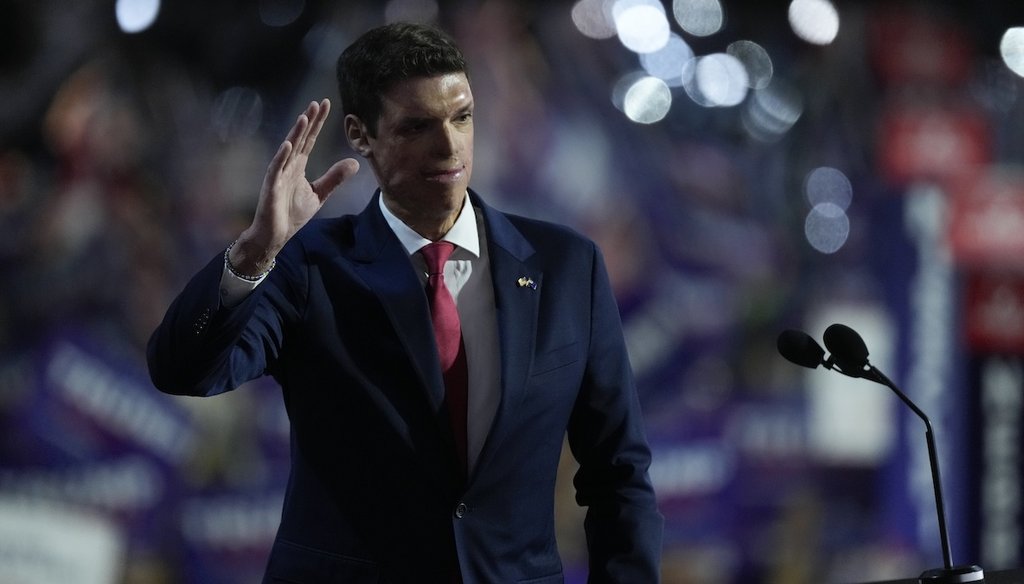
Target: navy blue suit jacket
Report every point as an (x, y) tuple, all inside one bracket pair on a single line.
[(342, 324)]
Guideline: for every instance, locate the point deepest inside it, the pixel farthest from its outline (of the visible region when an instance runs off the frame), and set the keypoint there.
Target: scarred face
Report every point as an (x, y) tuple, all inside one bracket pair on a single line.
[(422, 154)]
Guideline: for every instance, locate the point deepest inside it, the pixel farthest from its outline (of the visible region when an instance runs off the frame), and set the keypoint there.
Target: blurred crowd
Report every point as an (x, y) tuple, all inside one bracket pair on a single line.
[(129, 160)]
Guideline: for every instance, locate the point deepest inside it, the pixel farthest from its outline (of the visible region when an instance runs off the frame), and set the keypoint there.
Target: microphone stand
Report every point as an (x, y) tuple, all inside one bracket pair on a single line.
[(948, 574), (850, 357)]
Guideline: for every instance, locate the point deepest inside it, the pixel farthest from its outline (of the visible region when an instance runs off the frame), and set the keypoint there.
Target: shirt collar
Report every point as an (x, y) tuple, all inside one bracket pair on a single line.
[(463, 233)]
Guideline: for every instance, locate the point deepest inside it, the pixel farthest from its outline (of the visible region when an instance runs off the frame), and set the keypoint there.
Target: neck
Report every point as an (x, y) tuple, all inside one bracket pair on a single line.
[(431, 223)]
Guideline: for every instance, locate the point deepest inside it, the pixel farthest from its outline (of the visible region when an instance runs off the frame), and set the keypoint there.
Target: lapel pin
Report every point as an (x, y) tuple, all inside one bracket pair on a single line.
[(525, 282)]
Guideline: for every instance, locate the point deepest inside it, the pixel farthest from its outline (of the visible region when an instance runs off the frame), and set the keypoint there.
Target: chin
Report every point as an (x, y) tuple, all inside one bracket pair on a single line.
[(453, 196)]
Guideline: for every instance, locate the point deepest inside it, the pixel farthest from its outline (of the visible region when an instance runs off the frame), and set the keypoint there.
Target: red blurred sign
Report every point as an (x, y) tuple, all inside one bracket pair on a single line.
[(987, 220), (932, 142), (915, 45), (994, 317)]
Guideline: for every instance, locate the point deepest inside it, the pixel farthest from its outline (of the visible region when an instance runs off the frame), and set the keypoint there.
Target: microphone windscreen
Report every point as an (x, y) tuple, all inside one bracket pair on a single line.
[(798, 347), (847, 348)]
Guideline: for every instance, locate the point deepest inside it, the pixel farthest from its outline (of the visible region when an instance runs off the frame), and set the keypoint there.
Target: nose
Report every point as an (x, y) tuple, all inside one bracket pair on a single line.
[(446, 142)]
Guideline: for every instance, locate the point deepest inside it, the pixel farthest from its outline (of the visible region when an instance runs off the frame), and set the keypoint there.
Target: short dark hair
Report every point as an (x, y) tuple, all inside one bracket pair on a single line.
[(385, 55)]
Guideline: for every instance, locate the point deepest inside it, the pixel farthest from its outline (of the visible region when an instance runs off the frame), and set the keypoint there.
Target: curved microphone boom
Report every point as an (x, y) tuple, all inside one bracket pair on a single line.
[(849, 356)]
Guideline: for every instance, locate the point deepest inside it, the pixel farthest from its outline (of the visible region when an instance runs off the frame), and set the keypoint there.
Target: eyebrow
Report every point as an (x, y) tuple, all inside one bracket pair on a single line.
[(468, 108)]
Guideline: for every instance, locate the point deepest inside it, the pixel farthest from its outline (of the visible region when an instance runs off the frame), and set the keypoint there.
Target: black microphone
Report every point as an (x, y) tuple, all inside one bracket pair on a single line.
[(849, 355), (798, 347), (848, 350)]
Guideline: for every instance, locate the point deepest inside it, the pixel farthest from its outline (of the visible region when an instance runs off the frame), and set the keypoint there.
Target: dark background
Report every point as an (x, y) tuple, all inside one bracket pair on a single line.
[(129, 160)]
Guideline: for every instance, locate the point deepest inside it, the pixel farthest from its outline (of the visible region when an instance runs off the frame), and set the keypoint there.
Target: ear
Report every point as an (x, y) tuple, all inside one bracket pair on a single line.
[(358, 136)]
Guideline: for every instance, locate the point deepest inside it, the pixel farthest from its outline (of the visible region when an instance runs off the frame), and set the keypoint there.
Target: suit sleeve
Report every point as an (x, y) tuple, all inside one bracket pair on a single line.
[(608, 439), (205, 348)]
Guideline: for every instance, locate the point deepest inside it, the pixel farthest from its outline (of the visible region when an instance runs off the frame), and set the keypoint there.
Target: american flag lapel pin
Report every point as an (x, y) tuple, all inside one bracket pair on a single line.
[(527, 282)]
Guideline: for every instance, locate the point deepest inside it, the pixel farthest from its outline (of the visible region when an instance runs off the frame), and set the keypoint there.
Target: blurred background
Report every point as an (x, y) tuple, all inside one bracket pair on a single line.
[(747, 166)]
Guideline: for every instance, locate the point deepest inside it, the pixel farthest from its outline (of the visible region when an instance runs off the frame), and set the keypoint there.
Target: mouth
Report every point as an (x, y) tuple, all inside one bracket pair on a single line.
[(445, 175)]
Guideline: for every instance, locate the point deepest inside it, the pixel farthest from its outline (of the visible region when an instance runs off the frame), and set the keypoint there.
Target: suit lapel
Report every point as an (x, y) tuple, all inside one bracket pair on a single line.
[(385, 267), (517, 309)]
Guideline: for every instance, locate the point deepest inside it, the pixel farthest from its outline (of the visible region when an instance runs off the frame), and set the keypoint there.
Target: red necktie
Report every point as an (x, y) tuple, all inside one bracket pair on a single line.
[(450, 347)]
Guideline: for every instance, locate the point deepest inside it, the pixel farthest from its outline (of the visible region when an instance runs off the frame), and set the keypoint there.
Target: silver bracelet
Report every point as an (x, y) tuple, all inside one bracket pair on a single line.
[(240, 276)]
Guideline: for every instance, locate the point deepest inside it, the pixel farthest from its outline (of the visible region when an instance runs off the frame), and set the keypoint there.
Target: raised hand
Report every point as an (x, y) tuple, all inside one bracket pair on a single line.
[(288, 200)]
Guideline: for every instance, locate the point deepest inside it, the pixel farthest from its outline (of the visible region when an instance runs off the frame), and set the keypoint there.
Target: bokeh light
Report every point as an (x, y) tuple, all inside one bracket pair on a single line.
[(667, 62), (815, 21), (593, 19), (647, 101), (827, 227), (828, 185), (755, 60), (136, 15), (772, 111), (1011, 47), (623, 85), (721, 79), (641, 25), (829, 192), (699, 17), (690, 83)]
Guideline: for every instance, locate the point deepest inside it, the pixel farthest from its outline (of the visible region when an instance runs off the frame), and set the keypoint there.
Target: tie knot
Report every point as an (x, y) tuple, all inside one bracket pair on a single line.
[(436, 254)]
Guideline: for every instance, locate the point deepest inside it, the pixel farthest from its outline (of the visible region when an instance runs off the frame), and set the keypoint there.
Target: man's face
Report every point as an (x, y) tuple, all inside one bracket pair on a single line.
[(423, 151)]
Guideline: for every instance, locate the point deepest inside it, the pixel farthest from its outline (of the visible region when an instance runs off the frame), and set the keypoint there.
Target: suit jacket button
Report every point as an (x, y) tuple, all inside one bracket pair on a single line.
[(461, 510)]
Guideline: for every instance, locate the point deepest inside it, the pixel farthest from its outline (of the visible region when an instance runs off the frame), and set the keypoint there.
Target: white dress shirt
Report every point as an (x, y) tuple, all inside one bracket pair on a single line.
[(467, 274)]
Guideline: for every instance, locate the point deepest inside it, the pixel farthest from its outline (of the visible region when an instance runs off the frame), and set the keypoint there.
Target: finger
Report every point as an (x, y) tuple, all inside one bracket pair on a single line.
[(312, 113), (295, 135), (279, 160), (338, 173), (316, 124)]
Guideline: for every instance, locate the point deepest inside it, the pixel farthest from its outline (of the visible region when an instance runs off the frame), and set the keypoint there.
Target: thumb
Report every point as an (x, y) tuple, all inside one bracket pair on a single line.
[(338, 173)]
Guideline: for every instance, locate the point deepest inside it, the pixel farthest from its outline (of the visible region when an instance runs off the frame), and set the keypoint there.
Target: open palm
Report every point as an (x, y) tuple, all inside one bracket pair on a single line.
[(288, 200)]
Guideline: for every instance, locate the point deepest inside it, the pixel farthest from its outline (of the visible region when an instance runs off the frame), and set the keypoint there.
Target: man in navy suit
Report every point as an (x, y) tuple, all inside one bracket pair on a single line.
[(382, 488)]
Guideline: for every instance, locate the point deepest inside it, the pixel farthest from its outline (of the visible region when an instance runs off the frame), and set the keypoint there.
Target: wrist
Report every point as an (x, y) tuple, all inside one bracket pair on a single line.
[(247, 261)]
